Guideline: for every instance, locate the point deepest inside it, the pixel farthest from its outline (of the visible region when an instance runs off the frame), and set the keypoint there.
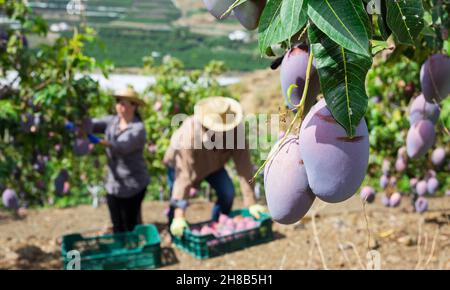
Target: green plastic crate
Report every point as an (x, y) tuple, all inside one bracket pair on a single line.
[(139, 249), (208, 246)]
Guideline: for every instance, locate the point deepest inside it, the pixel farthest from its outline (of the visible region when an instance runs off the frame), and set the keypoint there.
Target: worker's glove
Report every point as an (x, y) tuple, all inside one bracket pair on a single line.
[(256, 210), (177, 227), (93, 139), (70, 126)]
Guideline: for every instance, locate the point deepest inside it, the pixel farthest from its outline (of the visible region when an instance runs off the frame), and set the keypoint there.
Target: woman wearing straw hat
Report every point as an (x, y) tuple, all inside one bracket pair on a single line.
[(192, 158), (124, 140)]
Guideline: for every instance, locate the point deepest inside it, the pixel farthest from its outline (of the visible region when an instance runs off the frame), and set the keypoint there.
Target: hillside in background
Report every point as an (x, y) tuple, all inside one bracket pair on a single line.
[(132, 29)]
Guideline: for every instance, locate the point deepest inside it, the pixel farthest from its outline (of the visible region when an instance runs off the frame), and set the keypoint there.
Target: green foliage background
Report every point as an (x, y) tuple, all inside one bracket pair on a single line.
[(53, 86), (388, 125)]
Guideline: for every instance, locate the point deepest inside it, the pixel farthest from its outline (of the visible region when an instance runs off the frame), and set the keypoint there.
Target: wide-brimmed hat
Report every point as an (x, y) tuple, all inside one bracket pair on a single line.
[(129, 94), (219, 114)]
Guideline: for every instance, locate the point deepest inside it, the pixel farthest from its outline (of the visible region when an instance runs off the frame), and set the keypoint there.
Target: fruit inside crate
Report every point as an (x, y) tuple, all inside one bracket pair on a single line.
[(131, 250), (240, 230), (225, 226)]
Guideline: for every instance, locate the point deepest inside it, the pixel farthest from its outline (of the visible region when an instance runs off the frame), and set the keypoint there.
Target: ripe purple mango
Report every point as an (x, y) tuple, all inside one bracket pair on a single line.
[(40, 184), (384, 181), (39, 167), (413, 182), (431, 173), (368, 194), (238, 218), (249, 13), (251, 225), (409, 90), (230, 224), (438, 156), (400, 165), (288, 194), (435, 78), (206, 230), (218, 7), (335, 164), (386, 167), (240, 226), (401, 153), (58, 147), (421, 205), (225, 232), (432, 185), (422, 110), (81, 147), (293, 71), (393, 181), (385, 200), (375, 99), (421, 188), (395, 199), (248, 219), (420, 138), (223, 218), (9, 198)]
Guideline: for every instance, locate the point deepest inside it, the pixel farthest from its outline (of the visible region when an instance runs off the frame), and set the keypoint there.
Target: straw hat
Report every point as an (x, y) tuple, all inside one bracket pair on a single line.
[(219, 114), (129, 94)]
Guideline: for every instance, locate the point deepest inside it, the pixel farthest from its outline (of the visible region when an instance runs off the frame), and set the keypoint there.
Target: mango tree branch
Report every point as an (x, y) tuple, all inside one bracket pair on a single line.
[(298, 115)]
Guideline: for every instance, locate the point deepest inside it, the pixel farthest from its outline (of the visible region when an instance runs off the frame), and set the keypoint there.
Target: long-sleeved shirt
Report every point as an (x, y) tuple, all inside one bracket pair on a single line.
[(127, 170), (193, 165)]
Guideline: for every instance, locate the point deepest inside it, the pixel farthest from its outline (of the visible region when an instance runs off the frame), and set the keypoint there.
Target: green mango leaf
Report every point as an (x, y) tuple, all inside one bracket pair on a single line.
[(280, 20), (405, 19), (342, 75), (293, 16), (367, 22), (7, 110), (344, 21)]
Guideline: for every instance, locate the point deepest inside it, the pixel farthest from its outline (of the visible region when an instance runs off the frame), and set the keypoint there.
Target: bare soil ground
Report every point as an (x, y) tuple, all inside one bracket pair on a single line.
[(260, 91), (332, 236)]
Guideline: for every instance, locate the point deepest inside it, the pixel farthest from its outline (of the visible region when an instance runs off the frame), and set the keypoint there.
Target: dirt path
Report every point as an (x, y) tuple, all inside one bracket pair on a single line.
[(403, 239)]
